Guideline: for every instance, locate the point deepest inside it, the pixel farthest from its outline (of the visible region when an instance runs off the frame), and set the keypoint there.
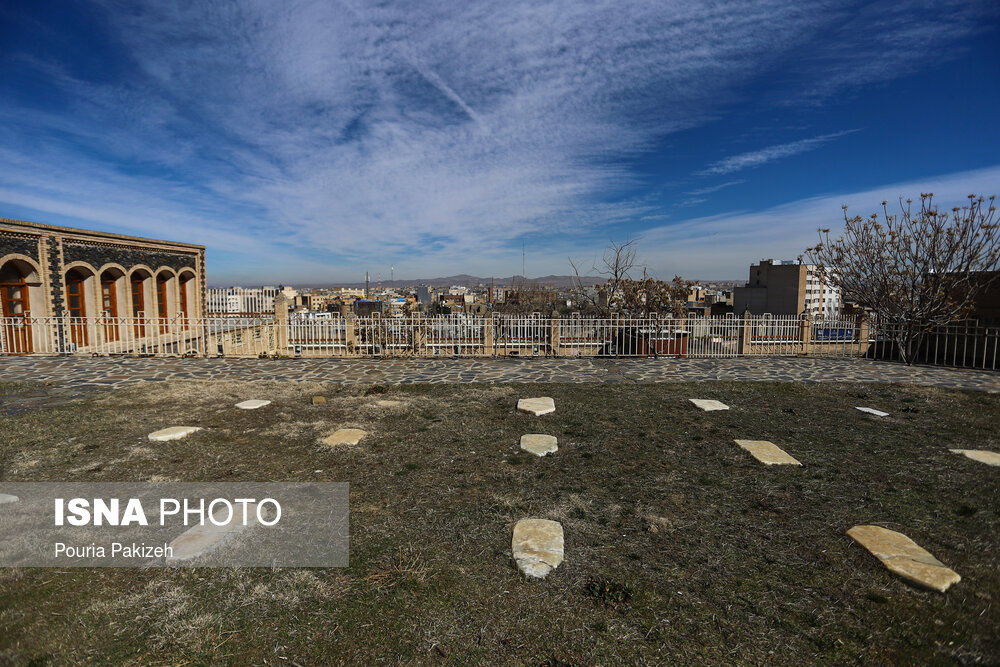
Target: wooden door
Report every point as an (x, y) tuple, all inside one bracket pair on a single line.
[(109, 308), (16, 329), (138, 308), (161, 303), (75, 296), (183, 285)]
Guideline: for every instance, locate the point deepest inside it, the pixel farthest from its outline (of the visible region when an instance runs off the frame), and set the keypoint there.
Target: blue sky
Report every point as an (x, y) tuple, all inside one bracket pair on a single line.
[(308, 142)]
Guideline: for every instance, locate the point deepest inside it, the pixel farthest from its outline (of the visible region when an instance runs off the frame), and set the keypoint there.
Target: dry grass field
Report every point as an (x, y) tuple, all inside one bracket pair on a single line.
[(680, 547)]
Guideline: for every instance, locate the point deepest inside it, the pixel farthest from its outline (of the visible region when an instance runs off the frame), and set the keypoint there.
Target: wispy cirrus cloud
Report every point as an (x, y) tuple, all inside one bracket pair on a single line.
[(770, 154), (347, 133), (715, 188)]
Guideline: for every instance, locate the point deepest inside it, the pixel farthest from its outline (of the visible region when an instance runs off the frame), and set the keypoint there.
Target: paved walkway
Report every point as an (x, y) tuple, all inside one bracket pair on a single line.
[(71, 376)]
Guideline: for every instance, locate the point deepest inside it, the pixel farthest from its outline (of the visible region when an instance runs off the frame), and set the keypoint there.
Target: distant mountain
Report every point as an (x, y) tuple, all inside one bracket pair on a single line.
[(471, 281)]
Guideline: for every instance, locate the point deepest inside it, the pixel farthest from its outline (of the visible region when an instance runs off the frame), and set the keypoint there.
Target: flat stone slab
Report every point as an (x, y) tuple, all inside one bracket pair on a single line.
[(981, 455), (539, 444), (905, 557), (537, 546), (388, 404), (200, 540), (319, 400), (344, 436), (536, 406), (173, 433), (252, 404), (767, 452), (873, 411), (708, 405), (7, 498)]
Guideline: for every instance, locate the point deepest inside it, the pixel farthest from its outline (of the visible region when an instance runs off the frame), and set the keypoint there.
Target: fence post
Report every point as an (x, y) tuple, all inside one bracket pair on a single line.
[(419, 328), (745, 330), (488, 336), (281, 323), (805, 334), (864, 334), (554, 334), (351, 333)]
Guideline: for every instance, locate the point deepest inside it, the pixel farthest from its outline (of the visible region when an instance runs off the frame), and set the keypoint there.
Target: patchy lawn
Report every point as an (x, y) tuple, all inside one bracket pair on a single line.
[(679, 546)]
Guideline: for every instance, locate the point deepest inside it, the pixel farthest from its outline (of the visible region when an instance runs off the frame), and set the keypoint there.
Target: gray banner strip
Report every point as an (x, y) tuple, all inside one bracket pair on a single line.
[(146, 524)]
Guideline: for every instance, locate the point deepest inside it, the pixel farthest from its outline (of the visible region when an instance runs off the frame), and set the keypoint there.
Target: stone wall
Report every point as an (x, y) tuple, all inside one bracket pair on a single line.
[(99, 254)]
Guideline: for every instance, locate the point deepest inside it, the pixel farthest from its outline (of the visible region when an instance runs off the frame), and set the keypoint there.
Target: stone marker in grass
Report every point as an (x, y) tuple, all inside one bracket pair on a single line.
[(388, 404), (708, 405), (319, 400), (767, 452), (252, 404), (539, 444), (536, 406), (201, 540), (172, 433), (873, 411), (344, 436), (904, 557), (7, 498), (981, 455), (537, 546)]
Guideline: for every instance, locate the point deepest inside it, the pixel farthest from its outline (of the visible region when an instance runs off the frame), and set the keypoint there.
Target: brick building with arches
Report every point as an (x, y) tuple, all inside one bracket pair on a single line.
[(109, 287)]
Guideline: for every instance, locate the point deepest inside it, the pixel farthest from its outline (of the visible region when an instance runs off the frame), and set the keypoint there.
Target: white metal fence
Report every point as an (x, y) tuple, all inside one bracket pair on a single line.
[(964, 345)]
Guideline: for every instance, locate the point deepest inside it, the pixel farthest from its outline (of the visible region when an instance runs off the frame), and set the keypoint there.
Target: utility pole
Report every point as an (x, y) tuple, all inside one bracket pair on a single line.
[(523, 274)]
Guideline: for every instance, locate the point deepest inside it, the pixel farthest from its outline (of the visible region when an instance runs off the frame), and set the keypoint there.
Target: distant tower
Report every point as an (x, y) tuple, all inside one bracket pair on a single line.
[(392, 275), (366, 284), (522, 260)]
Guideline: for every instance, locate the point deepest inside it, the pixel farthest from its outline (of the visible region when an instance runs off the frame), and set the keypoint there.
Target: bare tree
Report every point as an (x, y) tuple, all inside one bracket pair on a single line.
[(615, 266), (648, 297), (527, 297), (917, 270)]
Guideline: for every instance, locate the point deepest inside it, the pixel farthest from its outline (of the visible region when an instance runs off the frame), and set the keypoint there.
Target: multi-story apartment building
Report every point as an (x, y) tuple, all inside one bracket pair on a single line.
[(787, 288), (245, 300)]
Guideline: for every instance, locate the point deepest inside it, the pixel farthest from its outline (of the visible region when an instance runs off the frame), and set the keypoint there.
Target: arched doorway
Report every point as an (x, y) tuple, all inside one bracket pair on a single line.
[(164, 292), (185, 287), (18, 280), (77, 304), (112, 283), (137, 286)]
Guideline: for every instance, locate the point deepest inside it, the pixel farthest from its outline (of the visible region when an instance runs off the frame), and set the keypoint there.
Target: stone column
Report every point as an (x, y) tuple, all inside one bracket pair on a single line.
[(419, 327), (805, 334), (281, 323), (554, 335), (351, 333), (745, 324), (488, 336), (864, 326)]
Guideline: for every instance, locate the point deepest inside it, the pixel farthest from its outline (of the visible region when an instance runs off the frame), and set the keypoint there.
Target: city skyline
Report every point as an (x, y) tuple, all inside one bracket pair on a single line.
[(307, 143)]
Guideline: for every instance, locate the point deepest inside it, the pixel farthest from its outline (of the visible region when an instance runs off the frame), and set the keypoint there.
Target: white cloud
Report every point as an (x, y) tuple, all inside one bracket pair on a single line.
[(425, 135), (769, 154), (723, 246), (714, 188)]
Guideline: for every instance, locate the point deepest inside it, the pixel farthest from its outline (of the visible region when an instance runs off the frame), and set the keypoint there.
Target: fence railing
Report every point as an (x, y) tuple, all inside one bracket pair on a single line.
[(964, 344)]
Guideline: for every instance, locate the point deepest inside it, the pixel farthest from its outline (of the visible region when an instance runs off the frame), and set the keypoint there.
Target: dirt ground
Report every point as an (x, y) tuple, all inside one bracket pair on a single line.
[(680, 547)]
